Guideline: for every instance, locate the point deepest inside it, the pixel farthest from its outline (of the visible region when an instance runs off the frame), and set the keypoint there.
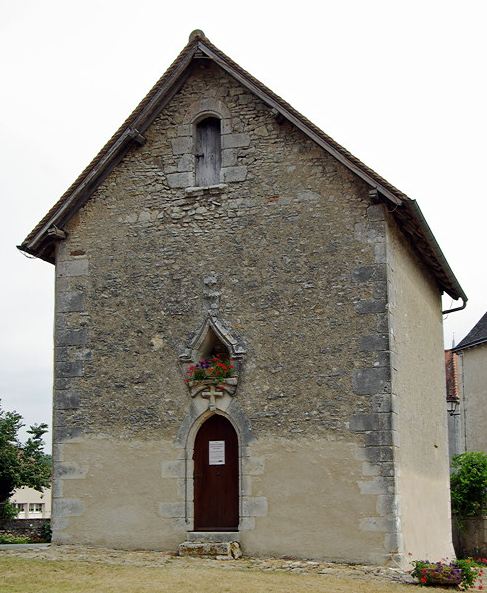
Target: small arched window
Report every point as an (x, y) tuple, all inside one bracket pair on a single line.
[(208, 152)]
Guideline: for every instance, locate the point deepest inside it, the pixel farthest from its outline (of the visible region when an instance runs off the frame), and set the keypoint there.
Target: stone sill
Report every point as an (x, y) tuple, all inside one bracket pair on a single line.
[(194, 190), (229, 380)]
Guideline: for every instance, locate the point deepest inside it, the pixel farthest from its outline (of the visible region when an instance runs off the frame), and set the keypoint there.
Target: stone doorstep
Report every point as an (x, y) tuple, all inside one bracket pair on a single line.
[(219, 550), (213, 536)]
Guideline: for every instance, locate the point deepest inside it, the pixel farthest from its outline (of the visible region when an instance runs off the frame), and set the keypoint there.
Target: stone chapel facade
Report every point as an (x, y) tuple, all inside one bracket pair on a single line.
[(218, 221)]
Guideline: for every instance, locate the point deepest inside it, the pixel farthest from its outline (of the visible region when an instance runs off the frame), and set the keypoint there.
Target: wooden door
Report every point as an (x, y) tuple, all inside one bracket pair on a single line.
[(215, 458)]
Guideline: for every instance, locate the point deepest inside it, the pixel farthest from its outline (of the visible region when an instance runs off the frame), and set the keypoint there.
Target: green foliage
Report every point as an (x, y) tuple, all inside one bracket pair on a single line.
[(469, 484), (8, 511), (447, 573), (8, 538), (46, 532), (21, 464)]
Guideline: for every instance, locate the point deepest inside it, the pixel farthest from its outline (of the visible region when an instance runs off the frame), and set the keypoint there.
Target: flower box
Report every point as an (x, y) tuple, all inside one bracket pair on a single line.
[(435, 574)]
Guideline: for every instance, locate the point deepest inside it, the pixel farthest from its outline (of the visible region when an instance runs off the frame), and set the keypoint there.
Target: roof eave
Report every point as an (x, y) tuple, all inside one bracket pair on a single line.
[(479, 342), (450, 284)]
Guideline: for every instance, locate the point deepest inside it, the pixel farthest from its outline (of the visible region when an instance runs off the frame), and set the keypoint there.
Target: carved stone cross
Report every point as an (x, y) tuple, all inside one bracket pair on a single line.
[(211, 396)]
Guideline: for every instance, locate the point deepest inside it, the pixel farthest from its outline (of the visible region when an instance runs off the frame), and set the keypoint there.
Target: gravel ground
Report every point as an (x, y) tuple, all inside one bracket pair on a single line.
[(150, 558)]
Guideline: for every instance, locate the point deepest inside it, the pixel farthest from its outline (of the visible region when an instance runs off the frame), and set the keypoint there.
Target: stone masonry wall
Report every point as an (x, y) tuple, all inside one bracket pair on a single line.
[(291, 251), (288, 250)]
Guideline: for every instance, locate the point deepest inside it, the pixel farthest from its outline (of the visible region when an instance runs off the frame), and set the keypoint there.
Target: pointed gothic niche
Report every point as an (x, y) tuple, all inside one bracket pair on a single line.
[(213, 339)]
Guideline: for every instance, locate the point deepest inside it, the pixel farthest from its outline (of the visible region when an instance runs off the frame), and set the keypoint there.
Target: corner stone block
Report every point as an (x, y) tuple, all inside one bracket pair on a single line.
[(68, 302), (373, 342), (68, 507), (247, 524), (172, 509), (377, 485), (376, 212), (229, 157), (370, 381), (387, 505), (62, 382), (378, 454), (182, 145), (69, 369), (59, 524), (366, 422), (231, 174), (77, 267), (67, 434), (57, 453), (180, 180), (58, 418), (66, 400), (235, 140), (254, 507), (71, 337), (69, 471), (376, 273), (393, 542), (382, 403), (380, 252), (377, 438), (61, 354), (186, 163), (179, 524), (57, 488), (380, 290), (383, 359), (376, 306), (378, 524), (254, 466), (173, 469)]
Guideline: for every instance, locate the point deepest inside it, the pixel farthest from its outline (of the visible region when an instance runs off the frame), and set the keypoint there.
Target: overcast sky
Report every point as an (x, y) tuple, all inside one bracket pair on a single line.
[(400, 84)]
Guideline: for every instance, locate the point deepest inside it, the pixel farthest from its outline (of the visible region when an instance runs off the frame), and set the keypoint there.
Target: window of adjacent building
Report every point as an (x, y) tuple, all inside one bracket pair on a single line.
[(35, 507), (208, 152), (20, 506)]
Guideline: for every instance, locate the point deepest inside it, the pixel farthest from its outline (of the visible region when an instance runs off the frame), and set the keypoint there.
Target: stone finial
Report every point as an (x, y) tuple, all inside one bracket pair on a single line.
[(196, 33)]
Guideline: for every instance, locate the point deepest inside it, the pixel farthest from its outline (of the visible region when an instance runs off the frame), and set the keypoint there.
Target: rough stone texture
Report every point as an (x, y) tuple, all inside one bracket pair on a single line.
[(23, 527), (289, 253), (318, 276), (208, 549), (470, 536)]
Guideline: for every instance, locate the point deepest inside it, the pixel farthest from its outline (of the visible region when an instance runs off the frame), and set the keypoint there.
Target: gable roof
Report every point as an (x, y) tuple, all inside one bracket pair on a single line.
[(476, 336), (41, 240)]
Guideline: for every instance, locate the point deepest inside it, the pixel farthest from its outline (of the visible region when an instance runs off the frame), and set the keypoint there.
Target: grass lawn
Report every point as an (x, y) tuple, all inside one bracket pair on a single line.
[(23, 575)]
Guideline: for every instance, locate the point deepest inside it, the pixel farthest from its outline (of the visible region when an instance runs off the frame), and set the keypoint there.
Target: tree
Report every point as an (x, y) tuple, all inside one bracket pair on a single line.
[(21, 464), (469, 484)]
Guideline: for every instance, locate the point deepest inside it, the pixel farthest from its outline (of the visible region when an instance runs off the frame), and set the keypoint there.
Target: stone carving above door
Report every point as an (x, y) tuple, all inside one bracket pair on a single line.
[(212, 361)]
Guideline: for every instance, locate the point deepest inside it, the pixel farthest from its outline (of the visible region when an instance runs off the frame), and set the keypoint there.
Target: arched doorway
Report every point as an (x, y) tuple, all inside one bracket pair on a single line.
[(216, 504)]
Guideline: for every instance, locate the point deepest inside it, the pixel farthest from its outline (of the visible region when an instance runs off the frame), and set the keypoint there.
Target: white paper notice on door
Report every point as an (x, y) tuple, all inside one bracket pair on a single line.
[(217, 452)]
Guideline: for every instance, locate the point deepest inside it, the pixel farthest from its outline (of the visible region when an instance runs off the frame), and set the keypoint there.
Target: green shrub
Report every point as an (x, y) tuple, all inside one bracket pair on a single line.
[(8, 538), (46, 532), (8, 511), (469, 484)]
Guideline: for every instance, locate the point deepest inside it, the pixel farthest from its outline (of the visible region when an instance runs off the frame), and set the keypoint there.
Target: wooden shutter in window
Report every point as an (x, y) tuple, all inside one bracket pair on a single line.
[(208, 152)]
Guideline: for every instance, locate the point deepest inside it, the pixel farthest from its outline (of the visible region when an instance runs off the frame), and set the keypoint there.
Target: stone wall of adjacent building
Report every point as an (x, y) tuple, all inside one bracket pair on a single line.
[(470, 537), (289, 252), (31, 528)]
